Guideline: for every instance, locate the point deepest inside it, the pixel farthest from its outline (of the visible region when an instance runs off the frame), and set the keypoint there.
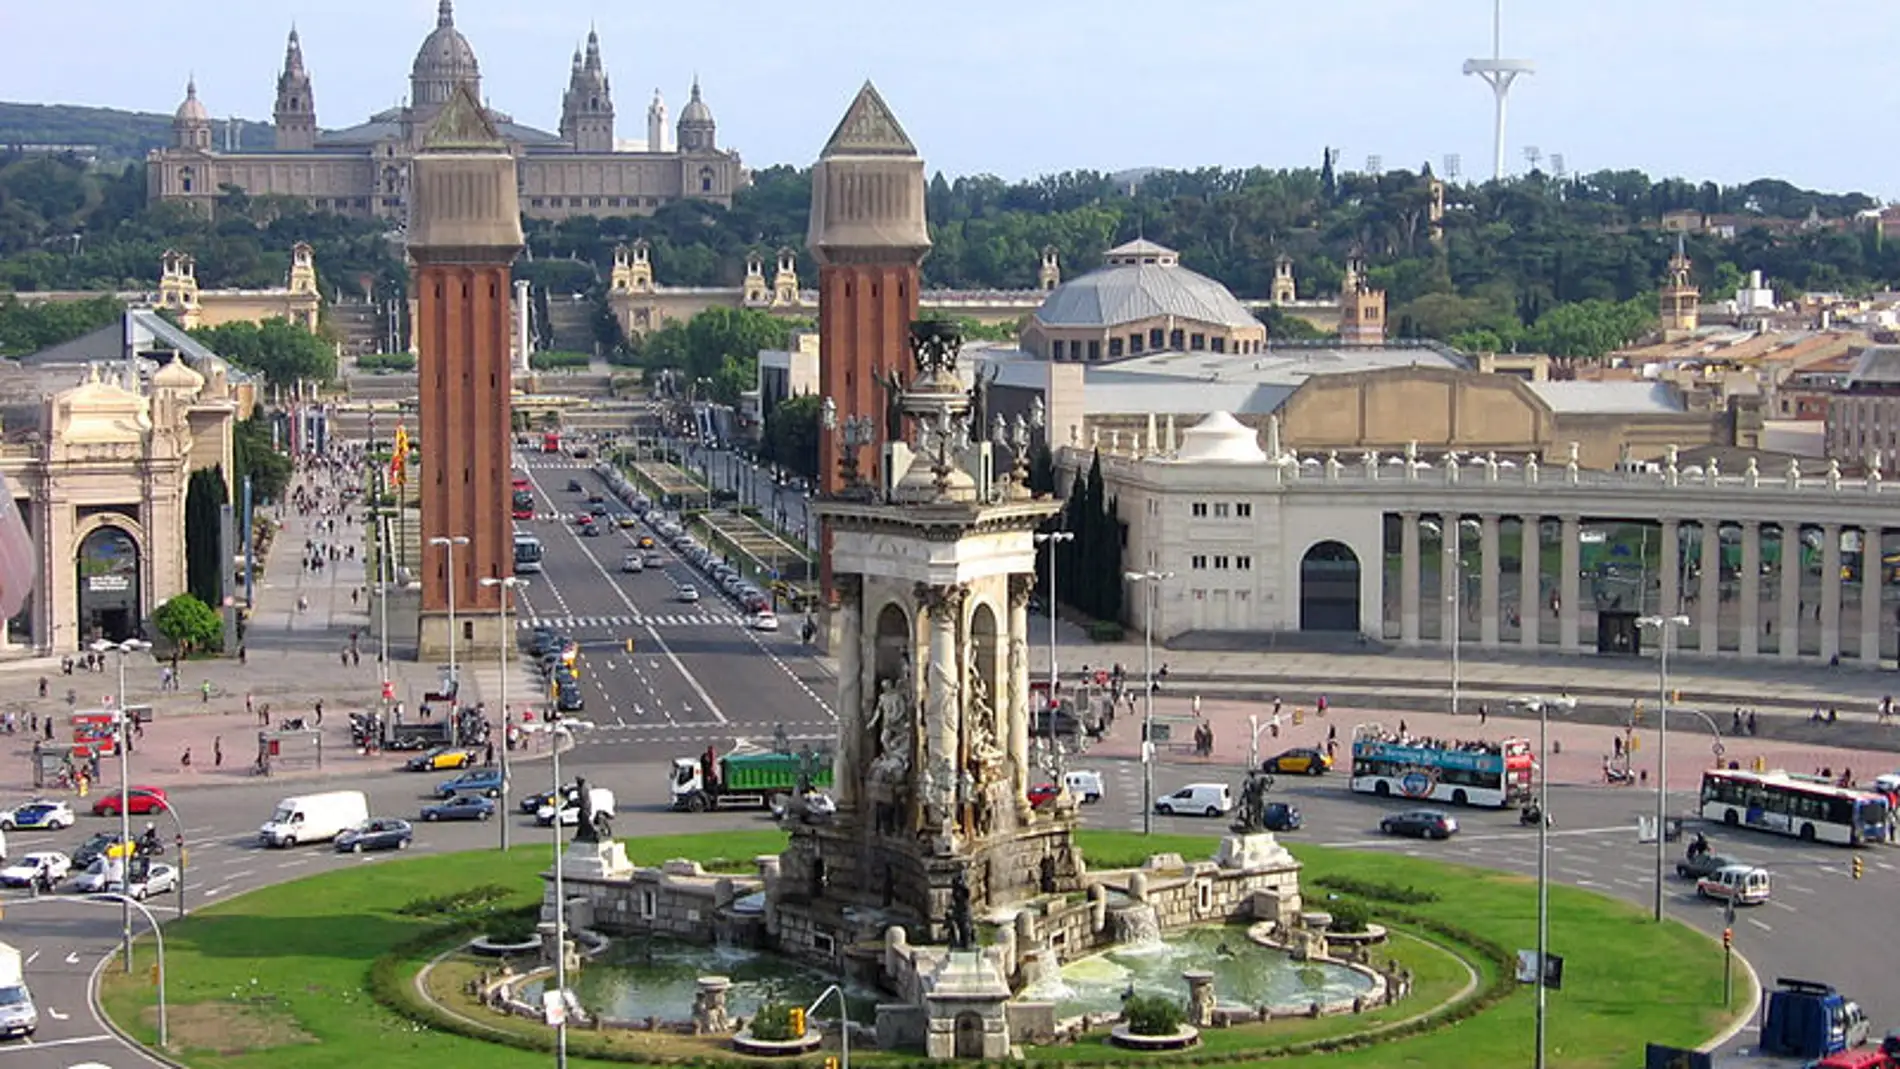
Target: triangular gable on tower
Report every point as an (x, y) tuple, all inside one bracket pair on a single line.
[(869, 129), (463, 125)]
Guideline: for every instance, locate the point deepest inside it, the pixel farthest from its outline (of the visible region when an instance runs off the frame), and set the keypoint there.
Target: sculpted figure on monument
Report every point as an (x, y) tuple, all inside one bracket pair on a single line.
[(984, 751), (891, 720)]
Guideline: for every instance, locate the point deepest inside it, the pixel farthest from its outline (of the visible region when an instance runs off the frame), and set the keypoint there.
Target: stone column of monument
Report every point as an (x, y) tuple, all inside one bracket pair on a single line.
[(1017, 733), (1830, 591), (942, 751), (1872, 575), (850, 759), (1789, 570), (1709, 595), (464, 232), (1408, 578), (1570, 613), (1530, 618), (1750, 639)]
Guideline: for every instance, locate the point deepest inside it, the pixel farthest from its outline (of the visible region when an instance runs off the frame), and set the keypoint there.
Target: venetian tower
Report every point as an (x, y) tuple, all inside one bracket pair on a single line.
[(934, 763), (464, 232), (869, 237)]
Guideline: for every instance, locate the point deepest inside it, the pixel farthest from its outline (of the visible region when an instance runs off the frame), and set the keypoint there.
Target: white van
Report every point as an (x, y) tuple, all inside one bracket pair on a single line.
[(18, 1017), (1744, 885), (314, 818), (1197, 800), (1085, 784)]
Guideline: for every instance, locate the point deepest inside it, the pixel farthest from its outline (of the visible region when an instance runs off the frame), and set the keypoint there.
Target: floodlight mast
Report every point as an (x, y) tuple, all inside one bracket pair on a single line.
[(1499, 73)]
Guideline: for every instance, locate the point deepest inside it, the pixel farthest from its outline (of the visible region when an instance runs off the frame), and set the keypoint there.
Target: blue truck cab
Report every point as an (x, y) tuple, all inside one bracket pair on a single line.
[(1811, 1020)]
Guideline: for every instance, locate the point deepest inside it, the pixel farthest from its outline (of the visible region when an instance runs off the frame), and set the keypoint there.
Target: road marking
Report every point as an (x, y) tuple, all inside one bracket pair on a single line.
[(218, 890), (73, 1041), (293, 864), (1760, 925), (72, 958), (31, 958), (1783, 906), (1798, 889), (56, 1015)]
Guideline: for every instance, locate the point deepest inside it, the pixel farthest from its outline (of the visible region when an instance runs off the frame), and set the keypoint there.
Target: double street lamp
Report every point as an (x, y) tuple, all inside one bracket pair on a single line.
[(1665, 628), (508, 585), (448, 543), (1152, 581), (1053, 539), (130, 645), (1542, 707), (557, 726)]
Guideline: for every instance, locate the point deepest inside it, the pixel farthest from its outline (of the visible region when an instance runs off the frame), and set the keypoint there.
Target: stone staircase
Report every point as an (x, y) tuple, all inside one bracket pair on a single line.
[(571, 321), (359, 326)]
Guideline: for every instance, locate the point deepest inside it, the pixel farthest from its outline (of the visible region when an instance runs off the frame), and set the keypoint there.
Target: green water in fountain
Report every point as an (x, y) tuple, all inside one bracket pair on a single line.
[(1246, 975), (638, 979)]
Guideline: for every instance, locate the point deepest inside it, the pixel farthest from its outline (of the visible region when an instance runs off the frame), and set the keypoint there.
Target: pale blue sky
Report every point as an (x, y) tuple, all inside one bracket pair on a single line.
[(1018, 87)]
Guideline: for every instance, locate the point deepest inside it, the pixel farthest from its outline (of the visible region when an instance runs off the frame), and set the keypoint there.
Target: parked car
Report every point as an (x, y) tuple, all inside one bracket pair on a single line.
[(1302, 761), (763, 621), (1197, 799), (1419, 824), (138, 800), (1744, 885), (441, 759), (460, 807), (38, 815), (383, 833), (44, 864), (486, 781), (568, 699)]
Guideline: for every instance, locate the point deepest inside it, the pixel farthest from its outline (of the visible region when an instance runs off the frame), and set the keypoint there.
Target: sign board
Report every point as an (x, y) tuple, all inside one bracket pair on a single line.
[(554, 1008), (1553, 969), (95, 732)]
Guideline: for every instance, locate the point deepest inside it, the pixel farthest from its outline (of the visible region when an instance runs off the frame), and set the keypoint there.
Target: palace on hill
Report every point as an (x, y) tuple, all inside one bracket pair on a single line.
[(364, 170)]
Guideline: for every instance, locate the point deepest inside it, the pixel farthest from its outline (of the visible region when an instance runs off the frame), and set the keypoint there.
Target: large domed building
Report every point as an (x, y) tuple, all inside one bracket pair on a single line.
[(1141, 300), (364, 169)]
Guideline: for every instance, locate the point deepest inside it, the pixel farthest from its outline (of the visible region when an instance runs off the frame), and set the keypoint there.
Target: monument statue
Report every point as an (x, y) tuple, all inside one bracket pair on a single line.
[(962, 924), (1251, 815), (891, 719), (592, 827), (893, 405), (984, 751)]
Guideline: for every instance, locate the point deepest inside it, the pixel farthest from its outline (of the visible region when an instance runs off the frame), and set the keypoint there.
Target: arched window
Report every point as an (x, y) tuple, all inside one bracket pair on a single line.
[(705, 179), (184, 179)]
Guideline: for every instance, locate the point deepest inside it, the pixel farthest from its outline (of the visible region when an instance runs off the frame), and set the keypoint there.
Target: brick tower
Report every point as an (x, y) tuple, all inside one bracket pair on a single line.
[(464, 231), (869, 237)]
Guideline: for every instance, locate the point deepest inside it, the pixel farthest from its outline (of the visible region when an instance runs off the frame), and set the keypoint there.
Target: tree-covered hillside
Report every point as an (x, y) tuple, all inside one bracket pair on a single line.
[(107, 132)]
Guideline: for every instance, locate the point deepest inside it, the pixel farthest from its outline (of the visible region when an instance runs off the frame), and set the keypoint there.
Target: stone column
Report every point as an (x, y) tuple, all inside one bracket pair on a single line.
[(1451, 578), (1669, 591), (1571, 613), (1016, 731), (1408, 578), (1790, 625), (849, 762), (943, 698), (1709, 597), (1529, 610), (1488, 582), (1750, 638), (1830, 591), (1872, 577)]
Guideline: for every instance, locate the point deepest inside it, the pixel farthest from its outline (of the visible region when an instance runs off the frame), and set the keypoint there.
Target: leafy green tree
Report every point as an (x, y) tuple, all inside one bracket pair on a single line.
[(791, 434), (28, 328), (717, 350), (282, 352), (205, 556), (189, 624), (267, 467)]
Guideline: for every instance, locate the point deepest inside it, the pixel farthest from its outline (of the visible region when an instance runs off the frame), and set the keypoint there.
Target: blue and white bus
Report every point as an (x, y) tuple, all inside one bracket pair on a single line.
[(528, 553), (1464, 773), (1802, 807)]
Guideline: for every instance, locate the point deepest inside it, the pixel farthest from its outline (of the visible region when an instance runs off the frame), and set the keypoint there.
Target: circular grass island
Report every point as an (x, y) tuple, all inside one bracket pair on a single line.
[(368, 966)]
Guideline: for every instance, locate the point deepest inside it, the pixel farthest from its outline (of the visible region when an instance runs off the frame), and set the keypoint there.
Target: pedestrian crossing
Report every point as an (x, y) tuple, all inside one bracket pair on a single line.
[(684, 619)]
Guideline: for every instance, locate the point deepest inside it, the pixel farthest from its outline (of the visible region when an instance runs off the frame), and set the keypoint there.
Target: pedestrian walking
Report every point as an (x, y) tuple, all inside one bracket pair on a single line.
[(1484, 713), (217, 751), (184, 760)]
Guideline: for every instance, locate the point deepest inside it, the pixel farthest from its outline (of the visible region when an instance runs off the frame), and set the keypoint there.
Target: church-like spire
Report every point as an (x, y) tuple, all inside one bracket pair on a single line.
[(445, 13)]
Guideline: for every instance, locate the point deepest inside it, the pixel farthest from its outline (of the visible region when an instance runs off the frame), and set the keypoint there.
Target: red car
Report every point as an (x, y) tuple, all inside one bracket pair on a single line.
[(138, 799), (1042, 794)]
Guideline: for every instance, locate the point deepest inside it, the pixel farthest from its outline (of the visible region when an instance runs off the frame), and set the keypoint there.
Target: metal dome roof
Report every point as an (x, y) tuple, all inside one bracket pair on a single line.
[(445, 57), (1127, 291), (696, 110)]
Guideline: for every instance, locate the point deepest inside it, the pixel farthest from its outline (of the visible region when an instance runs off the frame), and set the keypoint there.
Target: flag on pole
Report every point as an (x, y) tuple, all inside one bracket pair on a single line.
[(399, 457)]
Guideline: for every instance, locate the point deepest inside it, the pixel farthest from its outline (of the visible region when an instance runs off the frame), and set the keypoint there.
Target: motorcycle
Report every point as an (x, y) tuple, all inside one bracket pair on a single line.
[(1530, 814)]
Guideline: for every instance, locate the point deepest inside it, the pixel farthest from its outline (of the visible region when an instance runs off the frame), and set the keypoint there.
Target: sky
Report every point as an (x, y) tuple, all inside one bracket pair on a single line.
[(1729, 90)]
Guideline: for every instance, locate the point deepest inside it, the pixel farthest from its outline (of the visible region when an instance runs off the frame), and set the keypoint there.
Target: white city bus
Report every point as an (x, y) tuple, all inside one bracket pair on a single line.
[(1804, 807), (528, 553)]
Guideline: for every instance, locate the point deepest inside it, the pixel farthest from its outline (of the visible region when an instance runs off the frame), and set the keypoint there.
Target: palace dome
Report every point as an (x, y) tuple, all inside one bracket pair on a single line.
[(1142, 280), (444, 61), (193, 109)]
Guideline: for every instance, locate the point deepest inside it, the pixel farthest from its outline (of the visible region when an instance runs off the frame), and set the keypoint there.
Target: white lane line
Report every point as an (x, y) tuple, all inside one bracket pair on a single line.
[(1784, 906), (72, 958), (73, 1041), (293, 864), (31, 958), (216, 891), (1798, 889), (1760, 925), (57, 1016)]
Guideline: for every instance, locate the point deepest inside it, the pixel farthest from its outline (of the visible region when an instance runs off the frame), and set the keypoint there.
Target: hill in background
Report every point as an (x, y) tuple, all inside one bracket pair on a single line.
[(108, 133)]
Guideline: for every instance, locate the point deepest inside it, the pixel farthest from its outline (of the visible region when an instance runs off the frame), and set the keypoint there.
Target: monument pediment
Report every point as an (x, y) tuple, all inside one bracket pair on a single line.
[(463, 125), (869, 129)]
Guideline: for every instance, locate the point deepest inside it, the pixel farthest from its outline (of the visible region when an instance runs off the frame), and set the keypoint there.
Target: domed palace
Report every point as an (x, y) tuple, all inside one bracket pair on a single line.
[(363, 170), (1141, 300)]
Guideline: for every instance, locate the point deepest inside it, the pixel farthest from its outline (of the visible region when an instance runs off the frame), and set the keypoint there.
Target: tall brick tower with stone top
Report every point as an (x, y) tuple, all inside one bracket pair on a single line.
[(869, 236), (464, 232)]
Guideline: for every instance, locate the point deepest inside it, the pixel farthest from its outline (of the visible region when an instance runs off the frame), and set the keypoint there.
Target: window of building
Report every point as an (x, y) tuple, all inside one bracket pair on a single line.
[(1198, 509), (1155, 338), (1177, 340), (706, 180), (1095, 350), (534, 202), (1055, 349), (1134, 343), (1243, 563), (1220, 563), (1220, 510), (1197, 562), (1197, 342), (1114, 348), (1243, 509), (184, 179), (1217, 343)]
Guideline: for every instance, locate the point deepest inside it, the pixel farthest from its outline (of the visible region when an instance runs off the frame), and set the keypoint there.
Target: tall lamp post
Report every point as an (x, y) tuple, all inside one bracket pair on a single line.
[(1664, 627), (1542, 707), (130, 645), (558, 726), (1152, 582), (1053, 539), (448, 544), (508, 585)]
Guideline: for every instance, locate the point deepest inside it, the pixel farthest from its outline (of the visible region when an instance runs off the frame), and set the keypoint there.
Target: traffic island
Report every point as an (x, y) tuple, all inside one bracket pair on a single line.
[(336, 961)]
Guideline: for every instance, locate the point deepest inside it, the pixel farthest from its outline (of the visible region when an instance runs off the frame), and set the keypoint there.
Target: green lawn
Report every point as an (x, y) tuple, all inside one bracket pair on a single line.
[(281, 978)]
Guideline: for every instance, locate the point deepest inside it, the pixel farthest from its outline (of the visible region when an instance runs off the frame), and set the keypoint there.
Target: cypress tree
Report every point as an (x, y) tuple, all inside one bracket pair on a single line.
[(205, 496)]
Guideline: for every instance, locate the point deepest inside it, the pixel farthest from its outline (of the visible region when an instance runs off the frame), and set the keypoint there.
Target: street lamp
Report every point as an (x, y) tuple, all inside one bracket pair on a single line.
[(1153, 582), (1665, 627), (130, 645), (449, 543), (557, 726), (1053, 539), (844, 1021), (1542, 707), (507, 584), (127, 903)]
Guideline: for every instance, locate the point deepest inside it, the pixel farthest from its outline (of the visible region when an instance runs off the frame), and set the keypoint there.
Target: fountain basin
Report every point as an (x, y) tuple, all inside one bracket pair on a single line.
[(746, 1043), (1184, 1037), (1247, 976), (658, 978)]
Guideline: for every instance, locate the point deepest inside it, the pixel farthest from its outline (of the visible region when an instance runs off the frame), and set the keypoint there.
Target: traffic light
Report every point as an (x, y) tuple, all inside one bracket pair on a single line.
[(831, 1063), (1728, 938), (1636, 711), (629, 644), (797, 1020), (1859, 867)]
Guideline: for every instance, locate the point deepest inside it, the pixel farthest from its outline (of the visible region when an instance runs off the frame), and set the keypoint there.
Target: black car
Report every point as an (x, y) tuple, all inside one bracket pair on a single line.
[(378, 834), (568, 699), (1420, 824), (533, 802), (573, 486), (1697, 866), (93, 849), (592, 530), (1279, 816)]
